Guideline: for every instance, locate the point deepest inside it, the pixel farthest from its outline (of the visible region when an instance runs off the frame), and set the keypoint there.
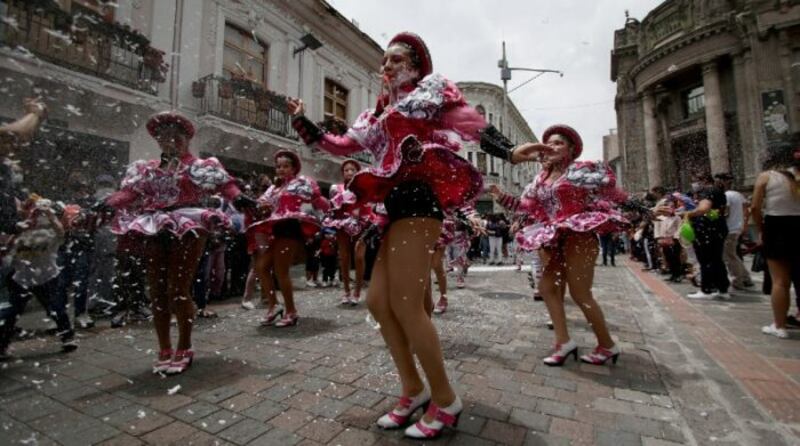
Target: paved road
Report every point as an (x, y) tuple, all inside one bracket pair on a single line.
[(691, 373)]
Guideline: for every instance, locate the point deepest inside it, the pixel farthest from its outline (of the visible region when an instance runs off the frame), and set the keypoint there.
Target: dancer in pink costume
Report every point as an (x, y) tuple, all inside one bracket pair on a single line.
[(350, 222), (567, 204), (280, 238), (160, 201), (418, 125)]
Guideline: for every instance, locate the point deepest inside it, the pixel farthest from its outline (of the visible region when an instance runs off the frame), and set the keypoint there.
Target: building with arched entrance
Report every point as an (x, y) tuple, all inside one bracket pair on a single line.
[(705, 86), (488, 101)]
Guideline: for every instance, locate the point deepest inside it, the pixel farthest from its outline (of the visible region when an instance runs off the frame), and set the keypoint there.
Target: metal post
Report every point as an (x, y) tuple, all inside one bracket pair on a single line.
[(176, 53)]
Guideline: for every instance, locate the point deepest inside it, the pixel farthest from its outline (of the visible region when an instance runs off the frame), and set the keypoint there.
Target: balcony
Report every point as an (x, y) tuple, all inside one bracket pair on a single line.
[(82, 42), (245, 103), (492, 179)]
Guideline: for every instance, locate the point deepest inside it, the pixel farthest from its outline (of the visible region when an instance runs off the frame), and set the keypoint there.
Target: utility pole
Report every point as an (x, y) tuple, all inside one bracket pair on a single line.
[(505, 76)]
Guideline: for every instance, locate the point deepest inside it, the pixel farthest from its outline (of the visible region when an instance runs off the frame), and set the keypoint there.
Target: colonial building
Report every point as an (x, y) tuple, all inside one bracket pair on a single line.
[(488, 100), (705, 86), (103, 67)]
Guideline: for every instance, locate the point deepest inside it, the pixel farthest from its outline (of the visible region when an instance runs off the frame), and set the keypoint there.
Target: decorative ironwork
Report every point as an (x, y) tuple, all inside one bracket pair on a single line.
[(83, 42), (244, 102)]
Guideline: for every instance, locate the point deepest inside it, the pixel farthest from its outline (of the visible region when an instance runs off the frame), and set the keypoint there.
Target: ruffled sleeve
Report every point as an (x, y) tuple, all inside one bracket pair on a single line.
[(599, 179), (211, 176), (317, 200), (131, 185), (460, 117), (269, 197), (509, 202), (438, 98)]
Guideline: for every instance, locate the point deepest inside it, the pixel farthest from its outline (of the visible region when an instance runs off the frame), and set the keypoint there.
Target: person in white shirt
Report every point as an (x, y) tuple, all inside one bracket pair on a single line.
[(776, 214), (36, 273), (738, 215)]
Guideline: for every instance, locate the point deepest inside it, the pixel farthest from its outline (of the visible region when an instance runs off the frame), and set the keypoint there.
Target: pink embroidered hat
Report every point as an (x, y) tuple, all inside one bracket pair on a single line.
[(419, 47), (569, 133)]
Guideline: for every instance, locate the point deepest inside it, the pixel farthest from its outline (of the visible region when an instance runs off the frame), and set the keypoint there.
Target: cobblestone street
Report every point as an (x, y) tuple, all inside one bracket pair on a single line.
[(690, 373)]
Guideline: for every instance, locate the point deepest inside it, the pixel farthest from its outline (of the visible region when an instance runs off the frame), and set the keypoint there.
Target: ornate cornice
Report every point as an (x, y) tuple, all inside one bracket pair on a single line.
[(671, 47)]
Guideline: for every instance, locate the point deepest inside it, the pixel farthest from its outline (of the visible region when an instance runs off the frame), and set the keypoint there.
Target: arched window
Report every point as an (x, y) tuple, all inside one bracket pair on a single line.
[(481, 111)]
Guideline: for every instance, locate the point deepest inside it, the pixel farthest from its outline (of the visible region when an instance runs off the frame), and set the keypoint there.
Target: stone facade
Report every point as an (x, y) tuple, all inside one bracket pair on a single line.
[(96, 115), (611, 154), (488, 100), (705, 86)]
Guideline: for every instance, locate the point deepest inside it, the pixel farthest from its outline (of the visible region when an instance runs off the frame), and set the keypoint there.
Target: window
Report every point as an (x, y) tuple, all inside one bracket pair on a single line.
[(482, 162), (244, 56), (491, 118), (335, 100), (693, 102), (481, 111)]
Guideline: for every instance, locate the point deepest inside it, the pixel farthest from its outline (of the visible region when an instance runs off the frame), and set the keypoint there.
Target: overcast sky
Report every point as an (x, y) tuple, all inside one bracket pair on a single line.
[(464, 36)]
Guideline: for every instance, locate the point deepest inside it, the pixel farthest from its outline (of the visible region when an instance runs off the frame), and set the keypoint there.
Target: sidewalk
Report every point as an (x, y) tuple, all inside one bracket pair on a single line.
[(728, 333), (327, 380)]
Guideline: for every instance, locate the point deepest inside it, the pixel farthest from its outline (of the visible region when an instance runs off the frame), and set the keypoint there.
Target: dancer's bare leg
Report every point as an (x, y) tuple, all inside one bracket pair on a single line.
[(263, 265), (393, 335), (285, 251), (438, 269), (361, 262), (580, 251), (156, 258), (184, 258), (345, 248), (551, 287), (409, 243)]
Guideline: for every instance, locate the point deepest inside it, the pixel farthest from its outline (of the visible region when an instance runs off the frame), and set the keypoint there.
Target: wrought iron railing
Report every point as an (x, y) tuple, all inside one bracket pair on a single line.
[(244, 102), (82, 42)]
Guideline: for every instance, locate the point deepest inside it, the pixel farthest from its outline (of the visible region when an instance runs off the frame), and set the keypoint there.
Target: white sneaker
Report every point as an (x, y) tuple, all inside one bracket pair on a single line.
[(701, 295), (84, 321), (722, 296), (311, 284), (775, 331), (247, 305)]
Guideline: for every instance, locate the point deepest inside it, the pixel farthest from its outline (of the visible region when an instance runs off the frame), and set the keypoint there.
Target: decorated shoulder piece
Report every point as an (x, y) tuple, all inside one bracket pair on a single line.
[(495, 143), (136, 172), (301, 186), (432, 93), (590, 174), (208, 173), (307, 130)]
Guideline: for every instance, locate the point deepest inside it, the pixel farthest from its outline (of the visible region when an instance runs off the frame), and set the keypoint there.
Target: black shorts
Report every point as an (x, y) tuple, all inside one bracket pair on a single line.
[(781, 237), (288, 228), (412, 199)]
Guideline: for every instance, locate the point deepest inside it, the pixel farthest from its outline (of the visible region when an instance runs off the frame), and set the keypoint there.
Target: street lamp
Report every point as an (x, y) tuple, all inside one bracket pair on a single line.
[(310, 42), (505, 76), (505, 71)]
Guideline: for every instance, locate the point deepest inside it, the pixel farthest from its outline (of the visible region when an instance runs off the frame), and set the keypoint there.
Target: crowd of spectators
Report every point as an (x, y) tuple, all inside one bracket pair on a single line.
[(719, 238)]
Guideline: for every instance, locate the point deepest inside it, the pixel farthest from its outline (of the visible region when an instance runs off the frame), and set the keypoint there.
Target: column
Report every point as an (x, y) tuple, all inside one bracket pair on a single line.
[(651, 139), (715, 120), (745, 117)]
